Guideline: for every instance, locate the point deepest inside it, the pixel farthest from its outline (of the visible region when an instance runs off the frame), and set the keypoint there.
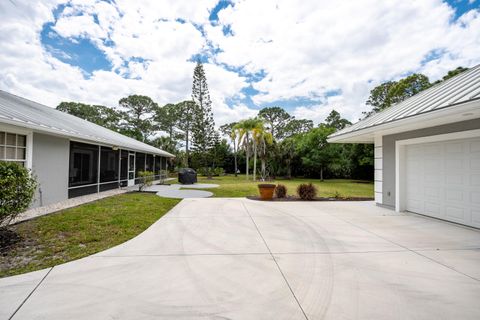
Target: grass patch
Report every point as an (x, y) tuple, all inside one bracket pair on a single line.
[(232, 187), (81, 231)]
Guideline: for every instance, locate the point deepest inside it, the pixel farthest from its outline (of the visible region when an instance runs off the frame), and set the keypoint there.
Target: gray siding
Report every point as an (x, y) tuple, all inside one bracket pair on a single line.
[(50, 161), (389, 151)]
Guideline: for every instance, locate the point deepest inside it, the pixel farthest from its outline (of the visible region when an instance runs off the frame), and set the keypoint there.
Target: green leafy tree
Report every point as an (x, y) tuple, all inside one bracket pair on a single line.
[(139, 110), (334, 120), (391, 92), (167, 119), (451, 74), (288, 149), (203, 129), (109, 118), (316, 153), (380, 97), (408, 87), (229, 131), (276, 120), (297, 126), (165, 143)]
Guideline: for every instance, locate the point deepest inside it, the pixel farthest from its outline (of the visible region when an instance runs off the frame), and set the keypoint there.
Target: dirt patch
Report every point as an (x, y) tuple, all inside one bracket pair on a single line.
[(292, 198)]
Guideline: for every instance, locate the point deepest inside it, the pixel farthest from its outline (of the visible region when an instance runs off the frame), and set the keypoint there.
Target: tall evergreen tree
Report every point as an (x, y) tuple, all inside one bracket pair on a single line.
[(203, 130)]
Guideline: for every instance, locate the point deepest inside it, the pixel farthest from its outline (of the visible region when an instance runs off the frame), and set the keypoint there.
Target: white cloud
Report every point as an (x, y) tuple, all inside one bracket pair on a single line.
[(306, 49), (311, 49)]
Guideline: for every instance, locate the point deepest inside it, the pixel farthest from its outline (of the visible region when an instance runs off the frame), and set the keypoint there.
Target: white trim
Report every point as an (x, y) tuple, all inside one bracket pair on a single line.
[(400, 159), (26, 132)]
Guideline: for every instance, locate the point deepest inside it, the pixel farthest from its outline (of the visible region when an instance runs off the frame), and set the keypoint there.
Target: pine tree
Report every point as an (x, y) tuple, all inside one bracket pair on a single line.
[(203, 130)]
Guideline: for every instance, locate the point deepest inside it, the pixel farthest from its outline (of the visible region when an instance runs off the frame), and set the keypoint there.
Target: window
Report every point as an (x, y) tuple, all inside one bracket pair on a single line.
[(158, 165), (108, 164), (149, 163), (139, 163), (13, 147), (124, 165), (83, 164)]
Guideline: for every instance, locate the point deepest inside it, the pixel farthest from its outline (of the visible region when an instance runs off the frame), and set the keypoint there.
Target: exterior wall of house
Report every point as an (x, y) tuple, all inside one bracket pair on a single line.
[(50, 157), (388, 153)]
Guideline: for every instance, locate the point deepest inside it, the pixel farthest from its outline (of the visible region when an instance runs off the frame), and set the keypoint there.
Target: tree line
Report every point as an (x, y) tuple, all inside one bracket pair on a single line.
[(272, 144)]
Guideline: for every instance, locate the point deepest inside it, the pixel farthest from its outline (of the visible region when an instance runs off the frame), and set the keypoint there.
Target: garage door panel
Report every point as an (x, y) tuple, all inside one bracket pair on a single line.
[(455, 213), (454, 147), (432, 149), (455, 195), (433, 209), (443, 180), (415, 205), (432, 193), (454, 165), (474, 146), (475, 180), (474, 162), (475, 197), (455, 179), (475, 214)]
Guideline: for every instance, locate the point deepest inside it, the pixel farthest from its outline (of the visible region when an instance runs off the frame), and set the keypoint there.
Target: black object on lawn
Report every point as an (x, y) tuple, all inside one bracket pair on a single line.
[(187, 176)]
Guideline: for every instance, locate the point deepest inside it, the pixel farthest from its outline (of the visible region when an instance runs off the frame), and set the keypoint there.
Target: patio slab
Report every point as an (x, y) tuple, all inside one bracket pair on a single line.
[(241, 259), (198, 186), (183, 194)]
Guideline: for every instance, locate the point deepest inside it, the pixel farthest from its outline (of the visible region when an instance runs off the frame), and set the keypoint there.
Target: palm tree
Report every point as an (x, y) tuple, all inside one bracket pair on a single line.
[(246, 129), (262, 139)]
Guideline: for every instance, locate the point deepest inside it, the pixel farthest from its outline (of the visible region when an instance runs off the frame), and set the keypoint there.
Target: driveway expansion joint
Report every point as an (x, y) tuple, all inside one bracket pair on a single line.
[(30, 294), (275, 260)]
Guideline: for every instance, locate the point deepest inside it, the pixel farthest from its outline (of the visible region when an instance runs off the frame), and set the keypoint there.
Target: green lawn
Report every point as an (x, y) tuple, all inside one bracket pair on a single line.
[(81, 231), (231, 186), (84, 230)]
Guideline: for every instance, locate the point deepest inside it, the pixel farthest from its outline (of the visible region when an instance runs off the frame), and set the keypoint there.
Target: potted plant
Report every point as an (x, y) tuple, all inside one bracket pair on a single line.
[(266, 191)]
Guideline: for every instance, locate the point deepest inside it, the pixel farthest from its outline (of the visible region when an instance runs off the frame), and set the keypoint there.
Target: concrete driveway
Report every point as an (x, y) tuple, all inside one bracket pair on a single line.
[(241, 259)]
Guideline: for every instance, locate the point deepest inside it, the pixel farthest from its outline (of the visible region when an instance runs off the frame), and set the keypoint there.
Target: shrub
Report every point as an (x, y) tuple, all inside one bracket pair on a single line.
[(218, 172), (17, 188), (306, 191), (281, 191), (208, 172), (146, 179)]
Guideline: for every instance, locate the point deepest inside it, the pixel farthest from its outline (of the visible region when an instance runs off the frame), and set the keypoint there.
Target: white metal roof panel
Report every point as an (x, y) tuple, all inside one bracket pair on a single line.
[(455, 91), (25, 113)]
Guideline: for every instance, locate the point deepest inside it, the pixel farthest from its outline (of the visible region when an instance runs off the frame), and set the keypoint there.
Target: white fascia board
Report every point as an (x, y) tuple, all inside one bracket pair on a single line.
[(463, 112)]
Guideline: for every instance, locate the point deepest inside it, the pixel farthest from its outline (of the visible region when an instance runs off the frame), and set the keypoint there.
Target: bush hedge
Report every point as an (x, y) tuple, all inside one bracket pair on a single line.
[(17, 189)]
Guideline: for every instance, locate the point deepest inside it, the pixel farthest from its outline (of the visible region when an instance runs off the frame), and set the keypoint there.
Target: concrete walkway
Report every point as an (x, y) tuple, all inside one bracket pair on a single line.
[(242, 259), (182, 191)]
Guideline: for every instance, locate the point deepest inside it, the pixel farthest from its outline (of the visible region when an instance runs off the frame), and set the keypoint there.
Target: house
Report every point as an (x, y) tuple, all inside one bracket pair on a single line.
[(427, 150), (70, 156)]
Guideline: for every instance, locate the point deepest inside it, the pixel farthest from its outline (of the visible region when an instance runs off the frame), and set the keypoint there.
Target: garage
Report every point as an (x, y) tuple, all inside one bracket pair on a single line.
[(442, 180)]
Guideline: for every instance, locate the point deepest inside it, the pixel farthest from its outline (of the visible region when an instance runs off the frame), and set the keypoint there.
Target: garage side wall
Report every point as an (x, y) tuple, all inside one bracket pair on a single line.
[(50, 156), (388, 184)]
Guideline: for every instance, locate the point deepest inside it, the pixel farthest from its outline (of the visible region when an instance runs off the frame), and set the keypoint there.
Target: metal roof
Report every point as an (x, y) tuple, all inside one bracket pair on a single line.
[(25, 113), (455, 91)]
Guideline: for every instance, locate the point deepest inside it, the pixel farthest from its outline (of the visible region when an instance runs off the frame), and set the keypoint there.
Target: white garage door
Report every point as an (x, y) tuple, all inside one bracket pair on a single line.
[(443, 180)]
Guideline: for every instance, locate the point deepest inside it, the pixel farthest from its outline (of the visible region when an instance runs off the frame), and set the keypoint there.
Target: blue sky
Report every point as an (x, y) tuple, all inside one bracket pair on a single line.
[(308, 57)]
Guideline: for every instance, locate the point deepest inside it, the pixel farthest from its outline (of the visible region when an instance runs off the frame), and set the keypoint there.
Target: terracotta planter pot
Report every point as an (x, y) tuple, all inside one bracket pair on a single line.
[(266, 191)]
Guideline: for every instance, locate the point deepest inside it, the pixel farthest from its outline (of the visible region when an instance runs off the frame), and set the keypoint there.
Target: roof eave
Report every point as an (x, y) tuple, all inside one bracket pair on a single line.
[(76, 137), (450, 114)]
